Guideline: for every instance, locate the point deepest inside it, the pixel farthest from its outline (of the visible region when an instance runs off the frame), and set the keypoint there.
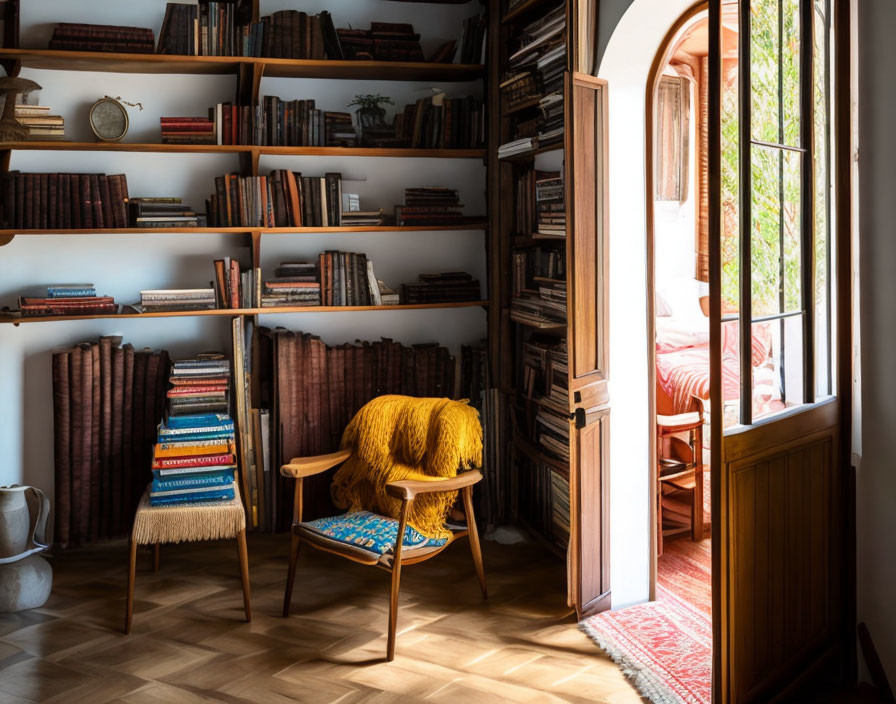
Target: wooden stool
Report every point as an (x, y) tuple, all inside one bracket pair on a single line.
[(216, 520)]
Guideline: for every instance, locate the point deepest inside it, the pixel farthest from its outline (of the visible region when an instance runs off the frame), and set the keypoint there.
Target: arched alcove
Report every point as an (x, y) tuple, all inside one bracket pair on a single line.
[(626, 66)]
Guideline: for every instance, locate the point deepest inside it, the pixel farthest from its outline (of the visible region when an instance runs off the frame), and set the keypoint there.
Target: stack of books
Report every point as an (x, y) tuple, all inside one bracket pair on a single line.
[(68, 299), (517, 146), (384, 41), (362, 218), (69, 36), (520, 89), (296, 284), (175, 299), (194, 459), (165, 211), (347, 279), (559, 507), (446, 287), (429, 206), (552, 432), (545, 308), (544, 374), (42, 126), (188, 130), (550, 203), (550, 128)]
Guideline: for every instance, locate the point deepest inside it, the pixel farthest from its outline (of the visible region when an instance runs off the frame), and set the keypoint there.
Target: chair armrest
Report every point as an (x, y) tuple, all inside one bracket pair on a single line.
[(407, 489), (300, 467)]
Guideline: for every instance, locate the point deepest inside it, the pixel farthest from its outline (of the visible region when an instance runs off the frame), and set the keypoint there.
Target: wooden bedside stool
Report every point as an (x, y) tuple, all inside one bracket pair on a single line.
[(216, 520)]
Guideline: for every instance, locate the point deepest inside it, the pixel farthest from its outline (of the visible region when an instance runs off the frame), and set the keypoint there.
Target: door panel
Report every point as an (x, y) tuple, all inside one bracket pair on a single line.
[(586, 149), (779, 469)]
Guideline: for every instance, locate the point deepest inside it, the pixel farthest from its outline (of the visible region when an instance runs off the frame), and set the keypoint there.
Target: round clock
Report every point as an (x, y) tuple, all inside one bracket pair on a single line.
[(109, 120)]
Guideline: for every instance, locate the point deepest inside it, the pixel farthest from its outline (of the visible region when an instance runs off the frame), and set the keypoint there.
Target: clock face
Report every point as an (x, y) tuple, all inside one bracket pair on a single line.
[(109, 120)]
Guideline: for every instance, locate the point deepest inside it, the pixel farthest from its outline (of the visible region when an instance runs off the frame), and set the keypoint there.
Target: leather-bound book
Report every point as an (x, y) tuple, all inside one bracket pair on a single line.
[(127, 434), (62, 445), (95, 505), (96, 201), (115, 467), (133, 469), (86, 430), (106, 382)]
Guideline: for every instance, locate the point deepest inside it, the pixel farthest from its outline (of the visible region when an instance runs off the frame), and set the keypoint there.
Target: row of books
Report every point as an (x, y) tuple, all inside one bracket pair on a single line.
[(282, 199), (68, 299), (180, 299), (535, 265), (42, 126), (71, 36), (544, 308), (69, 201), (194, 460), (384, 41), (540, 203), (439, 122), (227, 29)]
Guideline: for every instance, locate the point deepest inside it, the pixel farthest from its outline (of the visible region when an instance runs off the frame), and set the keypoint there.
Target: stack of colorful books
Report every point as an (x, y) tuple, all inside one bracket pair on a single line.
[(195, 457), (68, 299)]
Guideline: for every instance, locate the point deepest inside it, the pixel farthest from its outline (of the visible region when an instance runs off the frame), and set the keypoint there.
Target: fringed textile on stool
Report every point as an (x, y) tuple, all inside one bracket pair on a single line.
[(215, 520)]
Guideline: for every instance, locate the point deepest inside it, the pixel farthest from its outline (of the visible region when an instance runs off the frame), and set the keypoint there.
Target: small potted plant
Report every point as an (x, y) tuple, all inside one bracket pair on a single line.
[(371, 113)]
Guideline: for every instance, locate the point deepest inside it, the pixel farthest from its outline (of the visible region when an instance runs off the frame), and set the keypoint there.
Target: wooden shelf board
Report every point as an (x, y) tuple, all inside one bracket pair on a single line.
[(114, 62), (63, 146), (542, 327), (16, 319), (249, 230), (526, 104)]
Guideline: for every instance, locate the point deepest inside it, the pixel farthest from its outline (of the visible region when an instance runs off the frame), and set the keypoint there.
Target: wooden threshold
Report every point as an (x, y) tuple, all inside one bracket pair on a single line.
[(115, 62), (259, 150), (16, 318)]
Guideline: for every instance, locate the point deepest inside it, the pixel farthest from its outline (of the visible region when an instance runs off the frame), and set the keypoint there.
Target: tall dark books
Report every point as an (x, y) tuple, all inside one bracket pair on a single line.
[(347, 279), (68, 36), (384, 41), (107, 400), (63, 201), (440, 122), (194, 459), (308, 418)]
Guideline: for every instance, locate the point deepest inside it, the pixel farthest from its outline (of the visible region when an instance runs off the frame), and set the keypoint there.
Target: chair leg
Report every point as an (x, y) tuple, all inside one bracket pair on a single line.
[(244, 572), (474, 539), (393, 611), (132, 571), (291, 574), (697, 509), (155, 557)]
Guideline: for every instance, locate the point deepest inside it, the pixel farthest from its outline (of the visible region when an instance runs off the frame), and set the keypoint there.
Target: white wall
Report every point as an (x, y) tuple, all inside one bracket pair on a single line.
[(123, 265), (876, 490), (626, 65)]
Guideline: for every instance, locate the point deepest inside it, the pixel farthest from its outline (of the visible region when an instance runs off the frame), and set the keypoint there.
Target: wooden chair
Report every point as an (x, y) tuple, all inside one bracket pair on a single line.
[(154, 525), (405, 491), (679, 473)]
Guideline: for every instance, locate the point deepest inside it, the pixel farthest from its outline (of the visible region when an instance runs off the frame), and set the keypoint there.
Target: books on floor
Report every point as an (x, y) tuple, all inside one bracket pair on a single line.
[(42, 126), (171, 300), (163, 212), (70, 36), (446, 287), (194, 458), (68, 299)]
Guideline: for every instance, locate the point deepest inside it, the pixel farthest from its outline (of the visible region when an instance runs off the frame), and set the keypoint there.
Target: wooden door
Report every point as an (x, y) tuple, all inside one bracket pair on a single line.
[(587, 286), (780, 316)]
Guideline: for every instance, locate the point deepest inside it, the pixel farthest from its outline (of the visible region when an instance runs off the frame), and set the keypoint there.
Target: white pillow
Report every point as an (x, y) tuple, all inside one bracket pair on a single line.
[(663, 309)]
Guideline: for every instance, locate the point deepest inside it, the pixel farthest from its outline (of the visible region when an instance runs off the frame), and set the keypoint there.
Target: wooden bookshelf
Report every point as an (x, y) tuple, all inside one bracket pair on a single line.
[(255, 150), (479, 225), (111, 62), (16, 318)]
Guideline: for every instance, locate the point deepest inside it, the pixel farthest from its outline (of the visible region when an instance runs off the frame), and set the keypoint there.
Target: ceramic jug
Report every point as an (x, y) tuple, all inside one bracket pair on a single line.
[(25, 578)]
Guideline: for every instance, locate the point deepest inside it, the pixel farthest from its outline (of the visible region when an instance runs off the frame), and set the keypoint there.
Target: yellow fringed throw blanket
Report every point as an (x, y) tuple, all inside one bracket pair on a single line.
[(400, 437)]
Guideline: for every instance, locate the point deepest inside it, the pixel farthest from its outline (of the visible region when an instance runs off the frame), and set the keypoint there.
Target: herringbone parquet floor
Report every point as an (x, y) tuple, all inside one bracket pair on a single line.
[(190, 644)]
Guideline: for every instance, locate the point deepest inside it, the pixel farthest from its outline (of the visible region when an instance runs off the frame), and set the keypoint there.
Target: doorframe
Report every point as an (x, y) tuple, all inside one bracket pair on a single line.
[(653, 79)]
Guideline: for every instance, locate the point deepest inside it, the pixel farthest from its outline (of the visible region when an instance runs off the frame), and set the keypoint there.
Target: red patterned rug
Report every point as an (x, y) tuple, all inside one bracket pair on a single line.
[(665, 646)]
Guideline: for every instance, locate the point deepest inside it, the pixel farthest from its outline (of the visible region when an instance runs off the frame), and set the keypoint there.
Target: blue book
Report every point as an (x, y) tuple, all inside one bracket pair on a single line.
[(223, 435), (70, 292), (191, 481), (192, 498), (199, 420)]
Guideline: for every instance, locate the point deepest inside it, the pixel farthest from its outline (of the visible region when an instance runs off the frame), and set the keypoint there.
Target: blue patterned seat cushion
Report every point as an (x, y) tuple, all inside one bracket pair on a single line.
[(370, 531)]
